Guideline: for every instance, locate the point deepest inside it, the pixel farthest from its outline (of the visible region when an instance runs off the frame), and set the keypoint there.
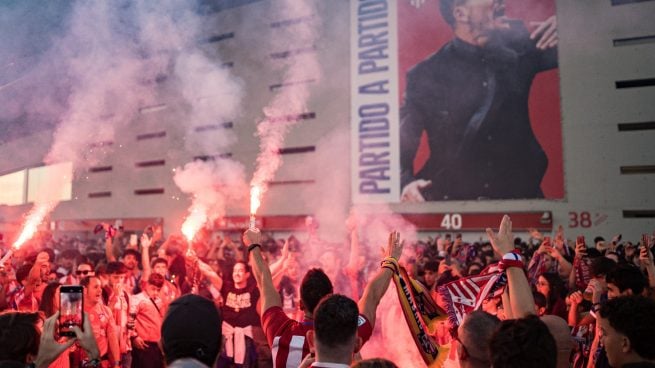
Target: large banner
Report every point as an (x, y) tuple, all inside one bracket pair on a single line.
[(455, 100)]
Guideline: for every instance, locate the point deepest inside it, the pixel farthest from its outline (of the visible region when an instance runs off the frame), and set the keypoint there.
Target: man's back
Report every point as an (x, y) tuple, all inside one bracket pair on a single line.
[(287, 337)]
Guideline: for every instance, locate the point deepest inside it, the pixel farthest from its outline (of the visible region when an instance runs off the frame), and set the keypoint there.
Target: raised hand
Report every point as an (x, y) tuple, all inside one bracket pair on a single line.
[(580, 249), (535, 233), (145, 241), (645, 256), (252, 236), (576, 298), (545, 33), (394, 246), (503, 242)]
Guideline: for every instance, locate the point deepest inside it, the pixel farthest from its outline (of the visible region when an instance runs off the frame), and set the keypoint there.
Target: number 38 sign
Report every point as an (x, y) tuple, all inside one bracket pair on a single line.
[(584, 219)]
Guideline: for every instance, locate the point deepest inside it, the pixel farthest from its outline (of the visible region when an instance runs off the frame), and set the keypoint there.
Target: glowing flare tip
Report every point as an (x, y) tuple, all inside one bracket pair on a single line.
[(193, 223), (35, 217), (255, 199)]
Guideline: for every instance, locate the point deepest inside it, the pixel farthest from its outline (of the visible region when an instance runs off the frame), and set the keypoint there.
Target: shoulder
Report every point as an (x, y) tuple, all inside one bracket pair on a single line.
[(430, 64), (364, 328), (274, 314), (275, 322)]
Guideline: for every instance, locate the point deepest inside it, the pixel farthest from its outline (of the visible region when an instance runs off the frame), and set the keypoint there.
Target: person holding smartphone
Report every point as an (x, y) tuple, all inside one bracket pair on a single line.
[(24, 343)]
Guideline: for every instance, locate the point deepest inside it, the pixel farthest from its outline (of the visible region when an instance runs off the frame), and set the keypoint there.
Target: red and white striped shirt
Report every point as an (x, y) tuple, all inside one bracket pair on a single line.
[(287, 337)]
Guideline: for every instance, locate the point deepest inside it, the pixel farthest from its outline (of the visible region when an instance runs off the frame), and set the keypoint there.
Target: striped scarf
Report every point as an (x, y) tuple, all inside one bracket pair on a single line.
[(465, 295), (422, 315)]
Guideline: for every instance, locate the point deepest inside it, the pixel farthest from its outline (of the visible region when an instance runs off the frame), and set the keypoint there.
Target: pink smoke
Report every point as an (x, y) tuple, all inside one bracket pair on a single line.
[(212, 185), (290, 101)]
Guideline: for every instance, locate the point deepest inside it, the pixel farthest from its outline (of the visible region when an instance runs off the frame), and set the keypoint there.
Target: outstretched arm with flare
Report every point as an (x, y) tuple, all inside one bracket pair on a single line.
[(269, 296)]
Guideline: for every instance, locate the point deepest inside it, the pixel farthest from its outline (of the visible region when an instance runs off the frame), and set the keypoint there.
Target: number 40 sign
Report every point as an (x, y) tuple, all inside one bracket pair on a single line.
[(451, 221)]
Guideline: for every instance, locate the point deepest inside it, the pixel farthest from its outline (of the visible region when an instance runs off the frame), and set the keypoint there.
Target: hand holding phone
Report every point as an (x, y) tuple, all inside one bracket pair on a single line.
[(49, 346), (580, 247), (645, 256), (71, 308), (615, 241), (545, 245), (149, 231)]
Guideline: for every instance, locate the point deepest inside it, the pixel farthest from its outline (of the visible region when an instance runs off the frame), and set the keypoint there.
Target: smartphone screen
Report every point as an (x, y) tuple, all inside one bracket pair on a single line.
[(71, 306), (150, 231), (133, 239), (581, 239)]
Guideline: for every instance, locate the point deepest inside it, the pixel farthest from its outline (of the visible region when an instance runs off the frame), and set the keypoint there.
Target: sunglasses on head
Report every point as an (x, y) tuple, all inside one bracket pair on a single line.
[(85, 272)]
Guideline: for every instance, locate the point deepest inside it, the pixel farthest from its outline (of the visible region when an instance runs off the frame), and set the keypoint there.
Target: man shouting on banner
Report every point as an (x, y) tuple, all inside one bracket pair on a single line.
[(471, 99)]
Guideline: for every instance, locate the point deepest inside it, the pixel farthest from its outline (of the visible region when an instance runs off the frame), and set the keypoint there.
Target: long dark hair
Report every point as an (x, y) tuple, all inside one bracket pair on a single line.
[(557, 290), (47, 305)]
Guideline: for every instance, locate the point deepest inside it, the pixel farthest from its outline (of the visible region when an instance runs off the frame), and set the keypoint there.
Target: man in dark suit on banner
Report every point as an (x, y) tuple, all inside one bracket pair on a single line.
[(471, 99)]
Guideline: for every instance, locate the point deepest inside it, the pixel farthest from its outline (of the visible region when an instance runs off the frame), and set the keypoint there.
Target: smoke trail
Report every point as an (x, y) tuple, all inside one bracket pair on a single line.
[(213, 96), (329, 198), (211, 184), (273, 129)]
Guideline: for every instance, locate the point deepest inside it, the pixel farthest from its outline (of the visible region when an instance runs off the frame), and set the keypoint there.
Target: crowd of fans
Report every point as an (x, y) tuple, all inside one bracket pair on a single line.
[(228, 300)]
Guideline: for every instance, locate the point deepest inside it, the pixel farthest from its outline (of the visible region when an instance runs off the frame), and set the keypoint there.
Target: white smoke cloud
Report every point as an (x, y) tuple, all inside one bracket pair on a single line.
[(289, 101), (211, 185)]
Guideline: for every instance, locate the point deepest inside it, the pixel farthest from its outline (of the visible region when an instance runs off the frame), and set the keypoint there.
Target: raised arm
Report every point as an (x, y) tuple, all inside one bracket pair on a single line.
[(277, 267), (558, 251), (520, 294), (41, 259), (210, 274), (215, 247), (352, 268), (269, 296), (507, 304), (646, 260), (146, 242), (376, 288), (109, 242)]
